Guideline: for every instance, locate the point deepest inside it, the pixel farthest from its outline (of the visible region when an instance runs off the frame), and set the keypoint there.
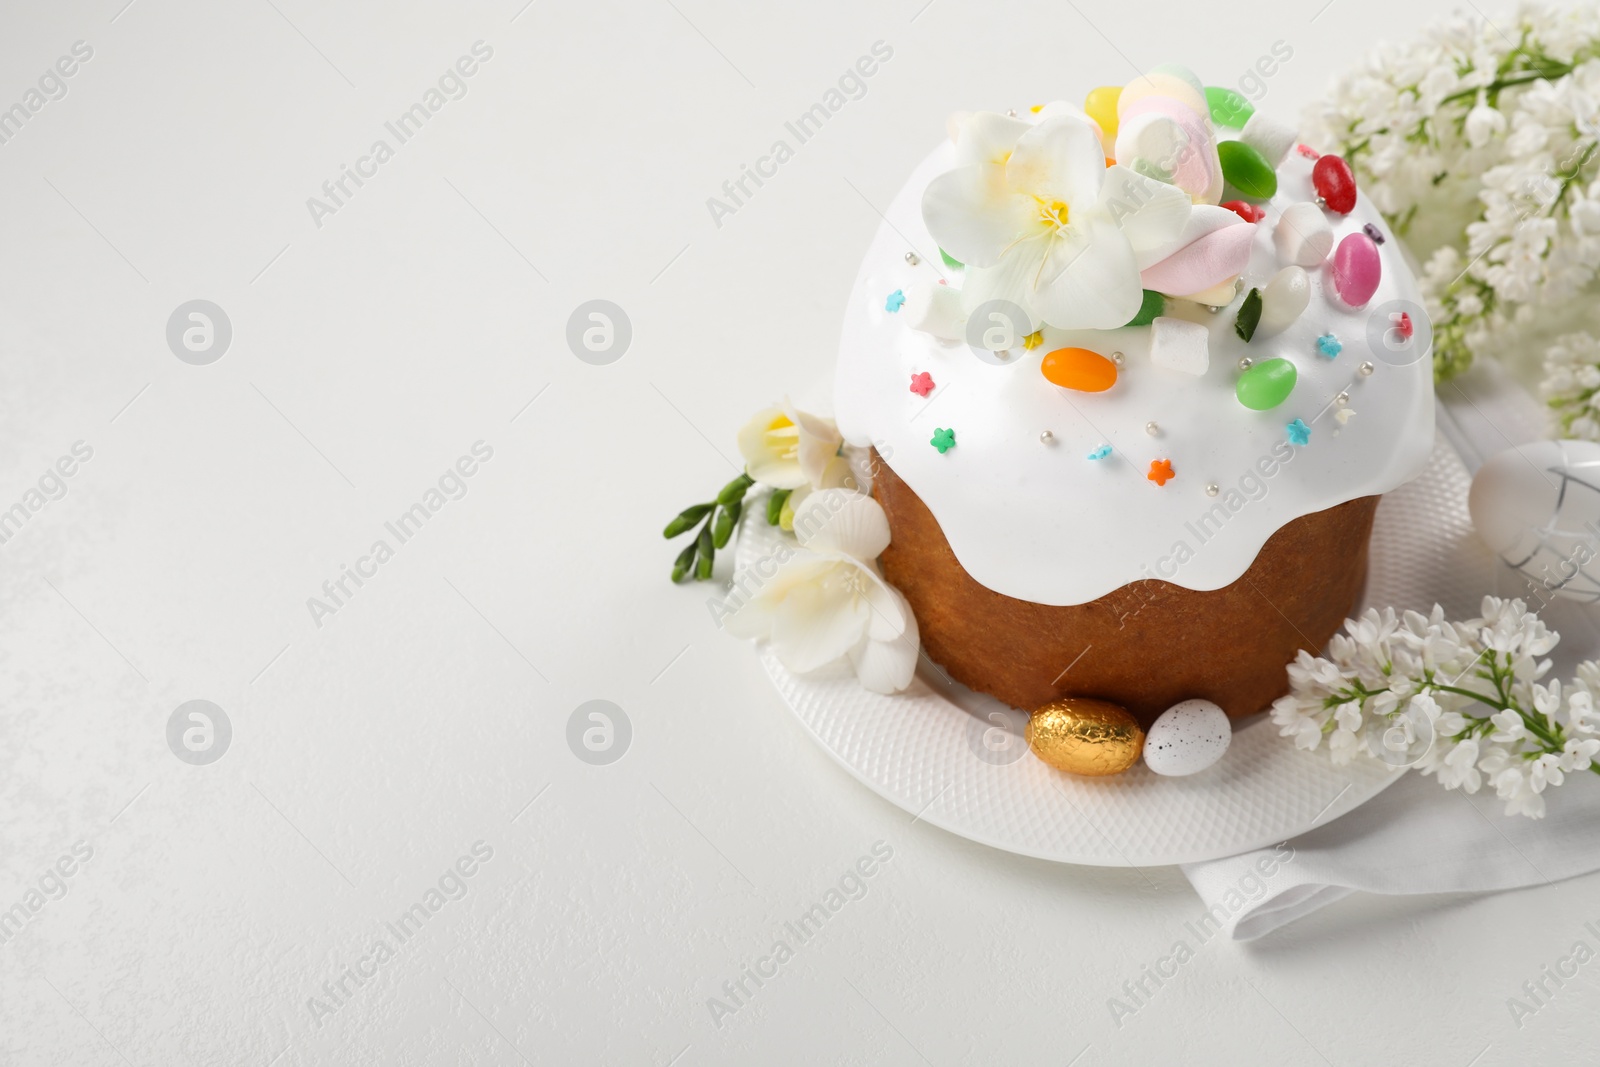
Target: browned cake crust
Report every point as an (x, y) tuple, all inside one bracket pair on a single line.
[(1149, 644)]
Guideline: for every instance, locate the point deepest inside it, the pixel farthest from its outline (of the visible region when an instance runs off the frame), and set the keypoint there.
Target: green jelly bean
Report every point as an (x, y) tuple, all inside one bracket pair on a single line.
[(1266, 385), (1154, 304), (1228, 108), (1247, 170)]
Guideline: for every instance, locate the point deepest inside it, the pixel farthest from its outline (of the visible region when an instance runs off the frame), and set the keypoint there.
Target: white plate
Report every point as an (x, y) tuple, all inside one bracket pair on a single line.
[(955, 758)]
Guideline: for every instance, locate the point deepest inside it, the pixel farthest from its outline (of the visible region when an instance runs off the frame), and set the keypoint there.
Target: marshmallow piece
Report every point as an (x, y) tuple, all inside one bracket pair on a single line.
[(1271, 138), (1284, 300), (1180, 345), (935, 309), (1303, 236)]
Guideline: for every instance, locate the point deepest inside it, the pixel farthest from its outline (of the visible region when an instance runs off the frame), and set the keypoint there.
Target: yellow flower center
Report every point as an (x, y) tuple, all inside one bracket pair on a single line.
[(782, 437), (1052, 213)]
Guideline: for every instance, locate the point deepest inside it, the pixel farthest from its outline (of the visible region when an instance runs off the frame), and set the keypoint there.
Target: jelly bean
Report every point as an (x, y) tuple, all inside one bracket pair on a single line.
[(1335, 184), (1266, 385), (1245, 210), (1357, 267), (1228, 108), (1284, 300), (1080, 369), (1247, 170), (1101, 105)]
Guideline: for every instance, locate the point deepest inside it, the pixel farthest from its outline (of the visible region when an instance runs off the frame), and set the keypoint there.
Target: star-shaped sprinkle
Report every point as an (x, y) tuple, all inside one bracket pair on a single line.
[(896, 300), (1299, 432), (1160, 471), (1344, 415), (922, 383), (1403, 325), (1100, 453), (944, 440), (1329, 345), (1033, 340)]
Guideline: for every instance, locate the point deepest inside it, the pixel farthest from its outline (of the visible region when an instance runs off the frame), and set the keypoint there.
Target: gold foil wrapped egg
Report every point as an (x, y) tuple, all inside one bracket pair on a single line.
[(1087, 737)]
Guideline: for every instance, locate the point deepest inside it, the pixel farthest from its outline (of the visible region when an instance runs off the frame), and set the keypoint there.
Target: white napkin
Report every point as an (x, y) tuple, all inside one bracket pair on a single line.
[(1417, 837)]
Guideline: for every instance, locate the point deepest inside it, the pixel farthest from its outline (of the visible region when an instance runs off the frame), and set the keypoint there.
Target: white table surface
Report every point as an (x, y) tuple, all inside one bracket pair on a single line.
[(371, 752)]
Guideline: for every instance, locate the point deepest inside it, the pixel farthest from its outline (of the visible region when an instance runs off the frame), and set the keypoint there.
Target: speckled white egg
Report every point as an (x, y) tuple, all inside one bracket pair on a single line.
[(1537, 507), (1187, 738)]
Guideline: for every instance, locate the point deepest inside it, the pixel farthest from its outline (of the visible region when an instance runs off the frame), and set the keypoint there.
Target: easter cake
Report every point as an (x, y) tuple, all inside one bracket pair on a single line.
[(1133, 377)]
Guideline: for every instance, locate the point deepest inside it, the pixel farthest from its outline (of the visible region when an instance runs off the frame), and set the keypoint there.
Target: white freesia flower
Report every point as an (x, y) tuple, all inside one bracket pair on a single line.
[(1460, 701), (830, 601), (785, 448), (1041, 221)]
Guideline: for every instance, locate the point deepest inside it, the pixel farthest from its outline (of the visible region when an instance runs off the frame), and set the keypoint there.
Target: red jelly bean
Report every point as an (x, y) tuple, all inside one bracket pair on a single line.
[(1335, 184), (1247, 211)]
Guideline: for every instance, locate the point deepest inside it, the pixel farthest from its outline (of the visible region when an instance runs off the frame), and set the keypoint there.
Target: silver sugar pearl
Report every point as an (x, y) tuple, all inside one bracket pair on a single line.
[(1151, 428), (1046, 438), (1322, 202), (913, 259), (1366, 369), (1213, 309), (1342, 399), (1011, 113), (1213, 489), (1118, 358), (1245, 363)]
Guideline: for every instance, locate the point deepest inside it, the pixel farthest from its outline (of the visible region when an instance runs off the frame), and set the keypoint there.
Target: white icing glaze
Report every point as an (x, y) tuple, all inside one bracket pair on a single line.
[(1043, 523)]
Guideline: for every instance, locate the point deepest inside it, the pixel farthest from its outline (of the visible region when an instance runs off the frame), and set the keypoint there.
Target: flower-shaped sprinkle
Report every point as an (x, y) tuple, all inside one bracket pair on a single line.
[(922, 383), (895, 302), (1100, 453), (1329, 345), (1160, 471), (1299, 432), (944, 440)]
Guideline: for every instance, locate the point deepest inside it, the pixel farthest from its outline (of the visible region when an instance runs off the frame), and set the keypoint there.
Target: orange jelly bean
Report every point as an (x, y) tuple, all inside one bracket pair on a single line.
[(1080, 369)]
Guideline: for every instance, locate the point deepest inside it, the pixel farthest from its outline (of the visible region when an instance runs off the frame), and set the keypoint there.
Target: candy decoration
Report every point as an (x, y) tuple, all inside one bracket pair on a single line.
[(1080, 369), (1160, 471), (1187, 738), (1329, 345), (895, 301), (1249, 316), (1357, 268), (922, 383), (1307, 151), (1087, 737), (1180, 345), (1332, 179), (1284, 300), (913, 259), (1153, 305), (1266, 385), (1228, 108), (1101, 105), (1033, 340), (1046, 437), (1269, 137), (1344, 415), (1100, 453), (1372, 231), (944, 440), (1299, 432), (1402, 325), (1245, 210), (1247, 170), (1303, 236), (936, 310), (951, 261)]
